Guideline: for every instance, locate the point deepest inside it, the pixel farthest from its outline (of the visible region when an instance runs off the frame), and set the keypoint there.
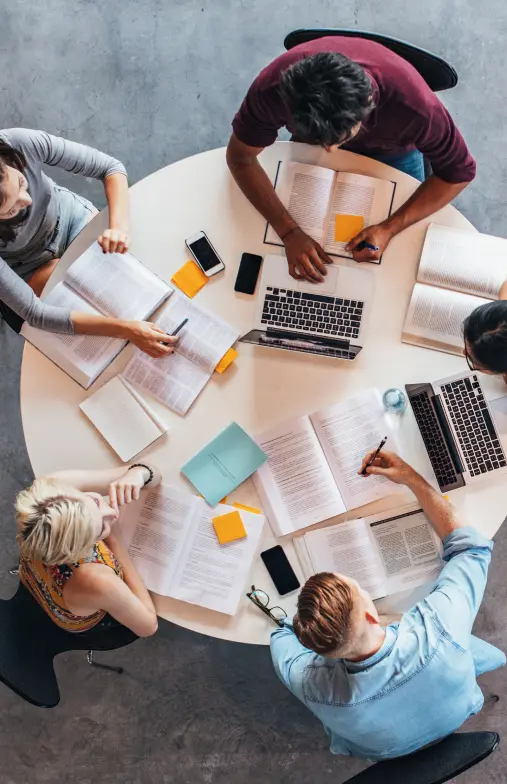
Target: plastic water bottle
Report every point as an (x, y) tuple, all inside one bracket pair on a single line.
[(394, 401)]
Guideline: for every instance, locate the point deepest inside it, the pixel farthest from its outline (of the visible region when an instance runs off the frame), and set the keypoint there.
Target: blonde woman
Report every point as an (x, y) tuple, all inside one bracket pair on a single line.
[(72, 556)]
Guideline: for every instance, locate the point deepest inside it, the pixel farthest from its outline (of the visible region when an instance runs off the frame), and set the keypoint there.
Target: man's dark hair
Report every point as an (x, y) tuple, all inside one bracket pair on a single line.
[(327, 95), (14, 158), (485, 333)]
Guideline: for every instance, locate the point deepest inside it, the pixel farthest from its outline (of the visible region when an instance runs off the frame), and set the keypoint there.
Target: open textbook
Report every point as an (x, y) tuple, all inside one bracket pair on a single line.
[(385, 553), (107, 284), (459, 270), (123, 417), (312, 470), (177, 379), (176, 551), (314, 196)]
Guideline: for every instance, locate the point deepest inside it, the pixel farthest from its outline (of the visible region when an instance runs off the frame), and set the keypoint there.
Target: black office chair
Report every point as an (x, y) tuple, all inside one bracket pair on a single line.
[(435, 764), (29, 641), (435, 71)]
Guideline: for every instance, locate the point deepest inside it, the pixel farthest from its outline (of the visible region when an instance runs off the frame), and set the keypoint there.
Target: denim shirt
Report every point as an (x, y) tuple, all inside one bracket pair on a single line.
[(421, 684)]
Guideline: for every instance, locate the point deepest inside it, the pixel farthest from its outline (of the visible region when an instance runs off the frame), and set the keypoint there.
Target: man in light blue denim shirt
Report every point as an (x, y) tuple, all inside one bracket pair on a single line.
[(383, 692)]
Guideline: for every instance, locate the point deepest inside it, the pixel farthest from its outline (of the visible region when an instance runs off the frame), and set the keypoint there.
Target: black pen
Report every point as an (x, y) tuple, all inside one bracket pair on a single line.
[(373, 457), (173, 334)]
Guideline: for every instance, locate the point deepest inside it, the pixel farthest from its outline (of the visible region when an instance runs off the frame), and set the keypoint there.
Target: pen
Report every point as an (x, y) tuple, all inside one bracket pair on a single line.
[(367, 245), (374, 456), (173, 334)]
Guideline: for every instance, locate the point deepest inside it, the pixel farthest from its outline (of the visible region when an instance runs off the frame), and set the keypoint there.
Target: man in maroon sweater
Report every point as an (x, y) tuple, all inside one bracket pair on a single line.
[(355, 94)]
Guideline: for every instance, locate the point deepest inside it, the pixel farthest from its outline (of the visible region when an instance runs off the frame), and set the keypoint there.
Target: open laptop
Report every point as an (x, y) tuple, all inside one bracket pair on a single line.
[(327, 318), (458, 430)]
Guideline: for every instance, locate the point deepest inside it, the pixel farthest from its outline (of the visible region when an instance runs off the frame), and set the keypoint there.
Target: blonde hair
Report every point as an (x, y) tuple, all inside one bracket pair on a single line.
[(54, 525)]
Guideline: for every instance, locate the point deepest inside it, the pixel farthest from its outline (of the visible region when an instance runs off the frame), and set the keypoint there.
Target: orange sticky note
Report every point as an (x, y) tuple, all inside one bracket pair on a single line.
[(190, 278), (229, 527), (227, 359), (247, 508), (347, 226)]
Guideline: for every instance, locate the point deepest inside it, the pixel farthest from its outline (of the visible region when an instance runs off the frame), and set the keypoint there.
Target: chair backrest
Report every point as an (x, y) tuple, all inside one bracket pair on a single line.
[(435, 71), (435, 764), (29, 641)]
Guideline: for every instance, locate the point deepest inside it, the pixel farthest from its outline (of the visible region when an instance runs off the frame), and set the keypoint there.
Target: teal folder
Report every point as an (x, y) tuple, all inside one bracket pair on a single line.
[(224, 463)]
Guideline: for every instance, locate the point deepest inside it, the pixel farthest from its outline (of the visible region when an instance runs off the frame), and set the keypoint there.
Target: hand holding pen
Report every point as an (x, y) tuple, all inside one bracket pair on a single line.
[(370, 243), (373, 457), (178, 328)]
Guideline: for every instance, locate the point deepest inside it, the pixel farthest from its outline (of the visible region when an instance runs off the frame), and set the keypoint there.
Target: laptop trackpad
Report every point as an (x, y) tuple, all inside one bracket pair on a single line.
[(328, 286)]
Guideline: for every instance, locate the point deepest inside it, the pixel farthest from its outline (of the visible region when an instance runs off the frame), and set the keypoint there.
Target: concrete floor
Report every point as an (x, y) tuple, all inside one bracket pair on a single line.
[(152, 82)]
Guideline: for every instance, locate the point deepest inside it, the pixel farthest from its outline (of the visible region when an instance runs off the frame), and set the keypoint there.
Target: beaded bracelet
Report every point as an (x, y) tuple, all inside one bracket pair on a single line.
[(142, 465)]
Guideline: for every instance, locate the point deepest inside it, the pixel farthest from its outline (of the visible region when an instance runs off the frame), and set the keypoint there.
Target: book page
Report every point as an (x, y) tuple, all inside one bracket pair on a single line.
[(296, 485), (465, 261), (435, 317), (122, 421), (356, 194), (117, 284), (346, 548), (172, 379), (305, 191), (155, 528), (347, 431), (408, 548), (204, 339), (83, 357), (211, 574)]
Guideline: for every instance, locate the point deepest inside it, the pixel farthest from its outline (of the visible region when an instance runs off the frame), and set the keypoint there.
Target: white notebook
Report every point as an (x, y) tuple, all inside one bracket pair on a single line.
[(177, 379), (311, 474), (177, 553), (314, 195), (385, 553), (107, 284), (123, 418), (459, 270)]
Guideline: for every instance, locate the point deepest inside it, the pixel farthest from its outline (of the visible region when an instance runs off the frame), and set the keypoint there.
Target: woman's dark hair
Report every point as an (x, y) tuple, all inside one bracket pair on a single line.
[(485, 333), (327, 95), (9, 157)]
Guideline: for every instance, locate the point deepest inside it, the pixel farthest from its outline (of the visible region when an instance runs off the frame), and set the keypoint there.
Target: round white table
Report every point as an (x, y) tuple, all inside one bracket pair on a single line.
[(263, 387)]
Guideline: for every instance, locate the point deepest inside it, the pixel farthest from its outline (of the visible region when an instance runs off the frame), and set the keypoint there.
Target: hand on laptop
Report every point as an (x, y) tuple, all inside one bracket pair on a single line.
[(306, 258), (379, 235), (390, 465)]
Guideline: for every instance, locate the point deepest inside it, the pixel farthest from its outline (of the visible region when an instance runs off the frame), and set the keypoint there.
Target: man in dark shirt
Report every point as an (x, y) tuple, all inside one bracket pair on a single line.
[(355, 94)]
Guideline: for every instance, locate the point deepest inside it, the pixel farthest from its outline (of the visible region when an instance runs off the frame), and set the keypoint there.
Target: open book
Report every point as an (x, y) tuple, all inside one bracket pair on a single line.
[(176, 551), (124, 419), (312, 471), (107, 284), (385, 553), (177, 379), (459, 270), (314, 196)]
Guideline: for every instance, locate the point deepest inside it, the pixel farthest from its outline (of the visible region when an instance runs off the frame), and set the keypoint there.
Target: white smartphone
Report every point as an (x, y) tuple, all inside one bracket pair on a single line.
[(205, 254)]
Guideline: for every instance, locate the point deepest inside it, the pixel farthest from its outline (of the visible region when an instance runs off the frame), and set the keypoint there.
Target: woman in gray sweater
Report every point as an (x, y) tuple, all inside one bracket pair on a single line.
[(39, 220)]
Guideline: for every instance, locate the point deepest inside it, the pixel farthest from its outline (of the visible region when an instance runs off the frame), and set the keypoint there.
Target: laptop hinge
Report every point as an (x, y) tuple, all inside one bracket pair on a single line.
[(319, 340)]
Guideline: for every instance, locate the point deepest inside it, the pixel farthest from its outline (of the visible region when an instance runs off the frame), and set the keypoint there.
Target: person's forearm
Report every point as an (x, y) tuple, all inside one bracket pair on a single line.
[(117, 195), (90, 324), (130, 574), (257, 187), (98, 480), (431, 195), (440, 512)]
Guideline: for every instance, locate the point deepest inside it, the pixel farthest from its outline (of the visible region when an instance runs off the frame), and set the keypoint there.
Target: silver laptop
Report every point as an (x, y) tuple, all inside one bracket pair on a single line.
[(458, 430), (328, 318)]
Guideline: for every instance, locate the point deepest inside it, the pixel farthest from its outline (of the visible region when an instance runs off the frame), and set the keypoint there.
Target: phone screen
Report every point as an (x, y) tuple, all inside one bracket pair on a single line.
[(205, 254), (248, 273), (280, 570)]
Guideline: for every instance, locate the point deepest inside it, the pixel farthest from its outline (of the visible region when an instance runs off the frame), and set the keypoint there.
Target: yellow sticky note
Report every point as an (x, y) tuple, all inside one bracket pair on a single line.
[(229, 527), (227, 359), (190, 278), (247, 508), (347, 226)]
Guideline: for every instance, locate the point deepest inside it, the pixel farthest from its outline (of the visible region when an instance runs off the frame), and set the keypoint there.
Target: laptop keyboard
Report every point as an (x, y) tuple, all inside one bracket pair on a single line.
[(316, 313), (467, 407), (434, 441)]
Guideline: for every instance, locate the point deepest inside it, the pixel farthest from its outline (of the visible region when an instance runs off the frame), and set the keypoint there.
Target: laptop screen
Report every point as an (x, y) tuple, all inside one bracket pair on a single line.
[(257, 337)]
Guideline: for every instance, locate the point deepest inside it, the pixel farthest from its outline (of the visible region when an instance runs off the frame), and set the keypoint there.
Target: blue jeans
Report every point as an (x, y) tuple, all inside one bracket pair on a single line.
[(410, 162)]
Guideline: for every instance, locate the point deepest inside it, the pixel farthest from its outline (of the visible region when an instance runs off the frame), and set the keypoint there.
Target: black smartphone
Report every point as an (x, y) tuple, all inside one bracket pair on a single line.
[(280, 570), (249, 268)]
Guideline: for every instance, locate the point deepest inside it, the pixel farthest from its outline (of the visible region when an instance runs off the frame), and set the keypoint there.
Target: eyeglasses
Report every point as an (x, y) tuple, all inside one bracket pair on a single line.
[(261, 600), (469, 360)]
